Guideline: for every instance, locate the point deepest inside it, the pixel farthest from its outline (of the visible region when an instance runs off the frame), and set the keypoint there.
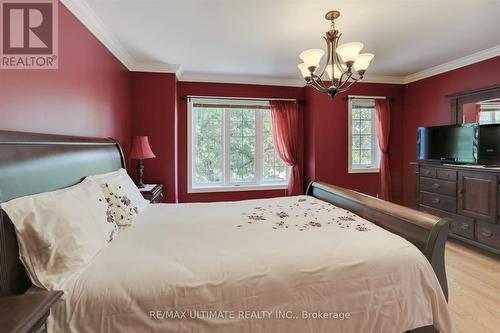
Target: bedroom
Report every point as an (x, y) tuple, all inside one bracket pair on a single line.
[(198, 85)]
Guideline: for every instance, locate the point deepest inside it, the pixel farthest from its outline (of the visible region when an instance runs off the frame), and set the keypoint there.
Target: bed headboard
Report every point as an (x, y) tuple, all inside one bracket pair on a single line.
[(32, 163)]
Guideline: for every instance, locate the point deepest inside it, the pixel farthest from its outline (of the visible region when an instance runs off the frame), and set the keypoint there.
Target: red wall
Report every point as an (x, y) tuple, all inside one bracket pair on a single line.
[(425, 104), (88, 95), (93, 94), (327, 138), (225, 90), (154, 98)]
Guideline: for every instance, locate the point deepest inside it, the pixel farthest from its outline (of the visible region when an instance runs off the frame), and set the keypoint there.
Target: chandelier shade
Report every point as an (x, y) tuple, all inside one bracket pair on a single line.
[(363, 61), (345, 64), (312, 57), (350, 51), (304, 70)]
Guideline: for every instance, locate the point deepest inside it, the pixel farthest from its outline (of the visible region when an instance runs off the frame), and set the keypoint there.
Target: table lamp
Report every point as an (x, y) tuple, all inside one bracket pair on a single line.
[(141, 151)]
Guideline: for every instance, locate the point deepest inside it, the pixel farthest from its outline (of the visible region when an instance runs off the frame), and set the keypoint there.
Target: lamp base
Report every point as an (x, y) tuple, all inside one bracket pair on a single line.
[(140, 172)]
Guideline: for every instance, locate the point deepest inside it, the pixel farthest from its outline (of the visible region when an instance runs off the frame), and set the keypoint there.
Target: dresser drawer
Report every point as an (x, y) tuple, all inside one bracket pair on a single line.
[(447, 174), (488, 233), (439, 201), (438, 186), (460, 225), (428, 172)]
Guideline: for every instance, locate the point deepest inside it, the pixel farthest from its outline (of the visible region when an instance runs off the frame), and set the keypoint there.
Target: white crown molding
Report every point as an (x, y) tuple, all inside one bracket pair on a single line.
[(89, 19), (154, 67), (454, 64), (290, 82), (382, 79), (234, 79)]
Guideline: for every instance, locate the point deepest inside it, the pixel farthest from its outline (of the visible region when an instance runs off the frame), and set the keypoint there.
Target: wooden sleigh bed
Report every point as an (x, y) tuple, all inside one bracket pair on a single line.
[(33, 163)]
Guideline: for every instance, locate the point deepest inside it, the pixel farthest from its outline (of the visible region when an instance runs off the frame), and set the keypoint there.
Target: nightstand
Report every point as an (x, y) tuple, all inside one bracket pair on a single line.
[(152, 192), (27, 312)]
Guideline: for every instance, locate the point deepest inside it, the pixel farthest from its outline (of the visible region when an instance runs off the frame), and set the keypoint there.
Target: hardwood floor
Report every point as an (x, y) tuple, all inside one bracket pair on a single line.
[(474, 288)]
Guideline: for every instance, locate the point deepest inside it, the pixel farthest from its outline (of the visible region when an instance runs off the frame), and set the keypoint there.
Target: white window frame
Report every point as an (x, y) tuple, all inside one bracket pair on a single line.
[(375, 167), (226, 186)]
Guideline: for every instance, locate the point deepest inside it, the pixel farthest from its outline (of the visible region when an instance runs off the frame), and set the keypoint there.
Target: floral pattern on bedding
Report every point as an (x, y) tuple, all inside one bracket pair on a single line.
[(122, 209), (110, 218), (304, 214)]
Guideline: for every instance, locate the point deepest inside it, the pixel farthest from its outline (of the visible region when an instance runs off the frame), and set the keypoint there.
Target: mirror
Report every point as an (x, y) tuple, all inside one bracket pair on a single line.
[(476, 106), (483, 112)]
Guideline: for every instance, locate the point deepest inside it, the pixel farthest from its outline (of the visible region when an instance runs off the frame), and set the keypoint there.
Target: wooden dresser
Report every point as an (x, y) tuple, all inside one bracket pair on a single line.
[(467, 195)]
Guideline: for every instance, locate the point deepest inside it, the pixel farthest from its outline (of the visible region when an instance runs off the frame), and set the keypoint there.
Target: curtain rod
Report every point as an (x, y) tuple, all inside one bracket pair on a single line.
[(390, 99), (244, 98)]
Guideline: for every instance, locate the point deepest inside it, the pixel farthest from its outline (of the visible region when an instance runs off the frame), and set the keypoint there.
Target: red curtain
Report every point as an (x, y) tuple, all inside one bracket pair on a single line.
[(383, 132), (285, 124), (478, 113)]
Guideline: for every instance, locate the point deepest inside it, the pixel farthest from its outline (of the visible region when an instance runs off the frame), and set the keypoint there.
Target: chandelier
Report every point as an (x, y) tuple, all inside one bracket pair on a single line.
[(345, 65)]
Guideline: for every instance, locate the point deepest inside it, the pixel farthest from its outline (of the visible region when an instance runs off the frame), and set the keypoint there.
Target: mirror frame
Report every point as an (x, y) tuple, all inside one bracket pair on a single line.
[(458, 100)]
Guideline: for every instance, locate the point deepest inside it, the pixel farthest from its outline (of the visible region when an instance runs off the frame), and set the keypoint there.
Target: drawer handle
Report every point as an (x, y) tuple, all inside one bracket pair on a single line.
[(486, 233), (464, 226), (435, 200), (453, 225), (435, 185)]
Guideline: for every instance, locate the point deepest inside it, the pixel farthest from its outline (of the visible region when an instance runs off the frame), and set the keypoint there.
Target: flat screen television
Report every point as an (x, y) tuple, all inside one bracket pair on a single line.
[(460, 144), (450, 144)]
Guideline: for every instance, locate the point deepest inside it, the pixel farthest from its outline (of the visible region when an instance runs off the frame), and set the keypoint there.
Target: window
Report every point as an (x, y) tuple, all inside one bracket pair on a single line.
[(230, 146), (489, 113), (364, 151)]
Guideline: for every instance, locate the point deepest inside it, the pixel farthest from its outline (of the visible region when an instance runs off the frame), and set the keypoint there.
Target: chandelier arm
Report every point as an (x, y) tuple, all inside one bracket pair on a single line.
[(332, 56), (342, 82), (350, 77), (350, 84), (337, 58), (318, 86), (327, 58)]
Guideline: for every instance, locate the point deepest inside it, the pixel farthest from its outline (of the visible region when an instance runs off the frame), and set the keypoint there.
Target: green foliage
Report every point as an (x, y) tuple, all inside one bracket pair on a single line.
[(209, 148), (361, 135), (242, 127)]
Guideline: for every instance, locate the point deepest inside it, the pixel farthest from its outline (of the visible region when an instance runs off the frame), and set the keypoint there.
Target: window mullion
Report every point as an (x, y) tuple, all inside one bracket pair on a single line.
[(227, 145), (259, 147), (374, 140)]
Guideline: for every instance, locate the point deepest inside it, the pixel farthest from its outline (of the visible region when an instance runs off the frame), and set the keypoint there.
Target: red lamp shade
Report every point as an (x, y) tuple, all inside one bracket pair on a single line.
[(141, 149)]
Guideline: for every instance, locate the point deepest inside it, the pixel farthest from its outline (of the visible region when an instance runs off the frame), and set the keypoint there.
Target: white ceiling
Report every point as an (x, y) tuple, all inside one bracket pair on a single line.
[(259, 40)]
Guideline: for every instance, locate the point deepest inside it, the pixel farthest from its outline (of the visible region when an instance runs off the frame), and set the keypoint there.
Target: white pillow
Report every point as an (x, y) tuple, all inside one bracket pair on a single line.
[(122, 195), (60, 232)]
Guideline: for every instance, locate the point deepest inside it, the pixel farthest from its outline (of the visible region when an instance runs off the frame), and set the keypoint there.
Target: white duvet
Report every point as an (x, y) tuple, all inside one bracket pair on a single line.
[(294, 264)]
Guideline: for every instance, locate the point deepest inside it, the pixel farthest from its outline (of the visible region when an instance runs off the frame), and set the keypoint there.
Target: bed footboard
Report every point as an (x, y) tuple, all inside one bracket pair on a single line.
[(427, 232)]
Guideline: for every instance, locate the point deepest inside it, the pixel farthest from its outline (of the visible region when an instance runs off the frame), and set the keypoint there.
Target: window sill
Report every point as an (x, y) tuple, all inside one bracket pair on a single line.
[(238, 188), (367, 170)]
